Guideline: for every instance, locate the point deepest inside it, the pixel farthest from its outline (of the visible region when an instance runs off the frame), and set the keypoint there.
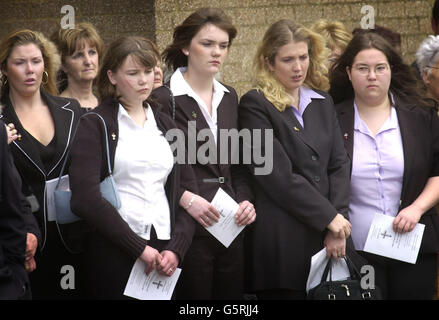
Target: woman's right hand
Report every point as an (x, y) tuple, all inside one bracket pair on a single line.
[(151, 257), (340, 227), (200, 209)]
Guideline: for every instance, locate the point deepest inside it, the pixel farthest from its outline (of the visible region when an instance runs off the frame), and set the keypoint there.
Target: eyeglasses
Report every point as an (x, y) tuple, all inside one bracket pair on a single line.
[(379, 69)]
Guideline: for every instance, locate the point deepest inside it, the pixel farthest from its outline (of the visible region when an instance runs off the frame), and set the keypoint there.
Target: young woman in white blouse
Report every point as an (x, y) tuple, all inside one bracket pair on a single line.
[(198, 50), (148, 226)]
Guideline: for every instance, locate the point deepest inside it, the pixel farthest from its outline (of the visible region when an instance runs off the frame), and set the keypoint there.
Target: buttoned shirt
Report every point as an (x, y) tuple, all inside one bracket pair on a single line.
[(142, 163), (179, 86), (377, 173)]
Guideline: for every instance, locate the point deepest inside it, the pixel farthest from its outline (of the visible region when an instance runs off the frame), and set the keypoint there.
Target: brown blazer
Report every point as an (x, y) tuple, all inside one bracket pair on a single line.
[(295, 203)]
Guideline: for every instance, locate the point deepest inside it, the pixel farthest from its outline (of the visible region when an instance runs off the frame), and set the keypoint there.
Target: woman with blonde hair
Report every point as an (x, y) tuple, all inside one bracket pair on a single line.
[(336, 36), (302, 204), (43, 124), (80, 48)]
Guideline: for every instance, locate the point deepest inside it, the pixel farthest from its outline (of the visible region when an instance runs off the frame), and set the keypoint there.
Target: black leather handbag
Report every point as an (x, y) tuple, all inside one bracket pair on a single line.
[(349, 289)]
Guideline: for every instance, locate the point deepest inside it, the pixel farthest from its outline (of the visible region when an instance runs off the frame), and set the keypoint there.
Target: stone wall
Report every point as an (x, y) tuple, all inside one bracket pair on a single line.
[(252, 17), (157, 19), (112, 18)]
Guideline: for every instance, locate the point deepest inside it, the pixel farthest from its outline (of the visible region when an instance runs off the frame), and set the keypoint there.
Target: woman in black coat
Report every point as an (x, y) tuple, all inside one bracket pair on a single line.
[(302, 202), (14, 215), (199, 47), (44, 125), (392, 138)]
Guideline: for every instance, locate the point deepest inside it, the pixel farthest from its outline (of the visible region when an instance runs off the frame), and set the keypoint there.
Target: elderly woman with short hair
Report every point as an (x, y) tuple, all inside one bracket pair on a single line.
[(427, 59)]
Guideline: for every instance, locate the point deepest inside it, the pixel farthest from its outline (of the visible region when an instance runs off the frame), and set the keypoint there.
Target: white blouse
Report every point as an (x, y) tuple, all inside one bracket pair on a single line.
[(142, 163), (179, 87)]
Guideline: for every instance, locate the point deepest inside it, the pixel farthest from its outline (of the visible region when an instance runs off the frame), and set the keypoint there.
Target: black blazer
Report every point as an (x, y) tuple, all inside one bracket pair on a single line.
[(89, 167), (308, 186), (65, 113), (420, 141), (13, 276), (235, 177)]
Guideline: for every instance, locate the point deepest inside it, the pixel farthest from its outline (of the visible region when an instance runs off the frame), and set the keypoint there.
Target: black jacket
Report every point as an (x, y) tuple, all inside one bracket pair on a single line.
[(13, 276), (65, 113), (236, 179), (308, 186), (89, 167)]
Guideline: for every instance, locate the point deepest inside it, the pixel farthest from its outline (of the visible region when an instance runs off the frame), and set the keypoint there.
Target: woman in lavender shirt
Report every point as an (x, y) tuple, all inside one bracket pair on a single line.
[(392, 139)]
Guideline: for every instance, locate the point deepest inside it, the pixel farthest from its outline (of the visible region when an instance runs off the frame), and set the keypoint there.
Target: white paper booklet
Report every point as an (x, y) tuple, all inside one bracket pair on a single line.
[(340, 270), (225, 230), (150, 287), (382, 240)]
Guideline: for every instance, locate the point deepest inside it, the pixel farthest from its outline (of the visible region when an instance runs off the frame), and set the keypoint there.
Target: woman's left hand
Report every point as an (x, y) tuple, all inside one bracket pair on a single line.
[(246, 213), (407, 219), (168, 264)]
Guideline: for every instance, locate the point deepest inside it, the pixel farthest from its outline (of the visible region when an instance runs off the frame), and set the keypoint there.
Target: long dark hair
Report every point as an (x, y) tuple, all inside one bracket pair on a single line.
[(403, 82), (183, 34)]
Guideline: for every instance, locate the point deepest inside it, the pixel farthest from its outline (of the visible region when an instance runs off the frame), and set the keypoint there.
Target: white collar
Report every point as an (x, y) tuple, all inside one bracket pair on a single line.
[(179, 85)]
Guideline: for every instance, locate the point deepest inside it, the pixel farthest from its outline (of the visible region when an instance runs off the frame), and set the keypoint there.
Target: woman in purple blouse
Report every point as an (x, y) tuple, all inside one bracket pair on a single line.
[(392, 139)]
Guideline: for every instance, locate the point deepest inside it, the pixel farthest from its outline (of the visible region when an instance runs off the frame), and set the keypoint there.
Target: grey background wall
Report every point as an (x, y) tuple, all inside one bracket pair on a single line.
[(156, 20)]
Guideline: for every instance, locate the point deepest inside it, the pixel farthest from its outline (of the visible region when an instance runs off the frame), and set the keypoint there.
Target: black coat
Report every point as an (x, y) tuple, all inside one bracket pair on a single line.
[(308, 186), (13, 276), (89, 168), (236, 182), (420, 141), (65, 113)]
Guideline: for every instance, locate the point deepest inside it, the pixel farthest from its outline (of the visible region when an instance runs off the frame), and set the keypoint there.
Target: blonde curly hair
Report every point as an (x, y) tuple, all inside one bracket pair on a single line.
[(279, 34), (52, 60)]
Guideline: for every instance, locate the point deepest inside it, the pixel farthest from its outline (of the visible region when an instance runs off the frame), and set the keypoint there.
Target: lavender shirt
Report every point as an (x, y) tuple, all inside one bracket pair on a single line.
[(377, 172), (305, 96)]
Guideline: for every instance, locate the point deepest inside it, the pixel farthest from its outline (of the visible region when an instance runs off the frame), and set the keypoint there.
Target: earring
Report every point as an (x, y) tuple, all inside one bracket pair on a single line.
[(47, 78)]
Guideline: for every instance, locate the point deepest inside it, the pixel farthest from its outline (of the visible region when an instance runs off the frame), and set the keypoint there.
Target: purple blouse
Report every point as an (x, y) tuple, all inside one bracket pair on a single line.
[(305, 94), (377, 173)]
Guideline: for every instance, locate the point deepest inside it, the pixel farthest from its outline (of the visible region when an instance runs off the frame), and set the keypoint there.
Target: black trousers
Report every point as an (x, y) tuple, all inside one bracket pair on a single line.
[(107, 267), (211, 271), (58, 273), (399, 280)]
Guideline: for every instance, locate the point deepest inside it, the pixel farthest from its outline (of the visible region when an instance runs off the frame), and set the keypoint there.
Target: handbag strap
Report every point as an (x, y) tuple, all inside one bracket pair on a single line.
[(73, 138), (353, 272), (172, 100)]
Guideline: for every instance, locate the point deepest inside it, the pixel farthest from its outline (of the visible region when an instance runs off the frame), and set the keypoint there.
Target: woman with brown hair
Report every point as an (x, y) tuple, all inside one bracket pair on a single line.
[(44, 125), (80, 48), (198, 50), (302, 204), (149, 225), (393, 143)]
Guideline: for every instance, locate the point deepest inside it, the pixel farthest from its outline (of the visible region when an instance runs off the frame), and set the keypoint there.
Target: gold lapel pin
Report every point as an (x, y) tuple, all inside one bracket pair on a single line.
[(194, 115), (19, 137), (296, 129), (113, 136)]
